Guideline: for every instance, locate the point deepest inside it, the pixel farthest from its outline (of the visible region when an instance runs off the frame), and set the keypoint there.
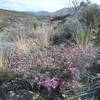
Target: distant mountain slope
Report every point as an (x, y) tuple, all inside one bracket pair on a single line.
[(63, 11), (42, 13)]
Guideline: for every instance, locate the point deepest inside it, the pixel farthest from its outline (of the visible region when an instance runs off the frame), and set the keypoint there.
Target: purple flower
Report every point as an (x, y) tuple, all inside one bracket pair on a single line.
[(51, 83), (55, 82), (92, 56), (75, 72), (74, 84)]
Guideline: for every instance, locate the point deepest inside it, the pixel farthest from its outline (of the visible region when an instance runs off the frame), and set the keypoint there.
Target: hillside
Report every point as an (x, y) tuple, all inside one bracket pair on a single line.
[(13, 23)]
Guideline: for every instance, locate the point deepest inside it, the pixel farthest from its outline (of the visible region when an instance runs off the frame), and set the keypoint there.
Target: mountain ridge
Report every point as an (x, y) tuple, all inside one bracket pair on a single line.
[(60, 12)]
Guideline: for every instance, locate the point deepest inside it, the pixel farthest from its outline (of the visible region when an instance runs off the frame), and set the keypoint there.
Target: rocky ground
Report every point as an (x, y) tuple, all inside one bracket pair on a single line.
[(17, 90)]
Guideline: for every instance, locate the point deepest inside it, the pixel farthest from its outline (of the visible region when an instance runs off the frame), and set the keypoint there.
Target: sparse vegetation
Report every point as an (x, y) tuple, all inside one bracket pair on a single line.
[(54, 54)]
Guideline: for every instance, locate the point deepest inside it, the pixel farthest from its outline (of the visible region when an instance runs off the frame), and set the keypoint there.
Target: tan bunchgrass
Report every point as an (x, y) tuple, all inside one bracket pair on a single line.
[(6, 73), (24, 43), (44, 40)]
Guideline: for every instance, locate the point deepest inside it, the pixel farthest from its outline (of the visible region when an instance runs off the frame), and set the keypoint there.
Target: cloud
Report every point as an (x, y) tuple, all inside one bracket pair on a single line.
[(20, 5), (36, 5)]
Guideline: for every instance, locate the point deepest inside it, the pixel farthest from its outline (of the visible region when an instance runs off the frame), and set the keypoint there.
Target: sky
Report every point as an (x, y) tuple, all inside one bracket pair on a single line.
[(37, 5)]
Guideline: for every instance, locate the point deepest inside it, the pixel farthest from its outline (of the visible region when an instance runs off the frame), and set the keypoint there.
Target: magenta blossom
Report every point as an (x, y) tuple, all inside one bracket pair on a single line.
[(75, 84), (75, 72), (51, 83)]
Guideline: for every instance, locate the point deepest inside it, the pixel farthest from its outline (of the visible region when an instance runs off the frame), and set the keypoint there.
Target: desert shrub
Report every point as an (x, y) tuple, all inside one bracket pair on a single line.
[(62, 58), (80, 36), (74, 30), (23, 62), (83, 39), (72, 26), (61, 34), (56, 37), (59, 38), (89, 16), (97, 37), (61, 69)]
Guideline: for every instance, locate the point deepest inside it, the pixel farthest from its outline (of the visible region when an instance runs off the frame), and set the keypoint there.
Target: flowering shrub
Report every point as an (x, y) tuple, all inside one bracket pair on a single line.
[(60, 68), (75, 72), (52, 83)]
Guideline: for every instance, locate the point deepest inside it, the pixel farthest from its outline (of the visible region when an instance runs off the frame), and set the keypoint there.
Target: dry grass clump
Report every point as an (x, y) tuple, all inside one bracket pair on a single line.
[(23, 45), (5, 72), (43, 40), (7, 51)]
